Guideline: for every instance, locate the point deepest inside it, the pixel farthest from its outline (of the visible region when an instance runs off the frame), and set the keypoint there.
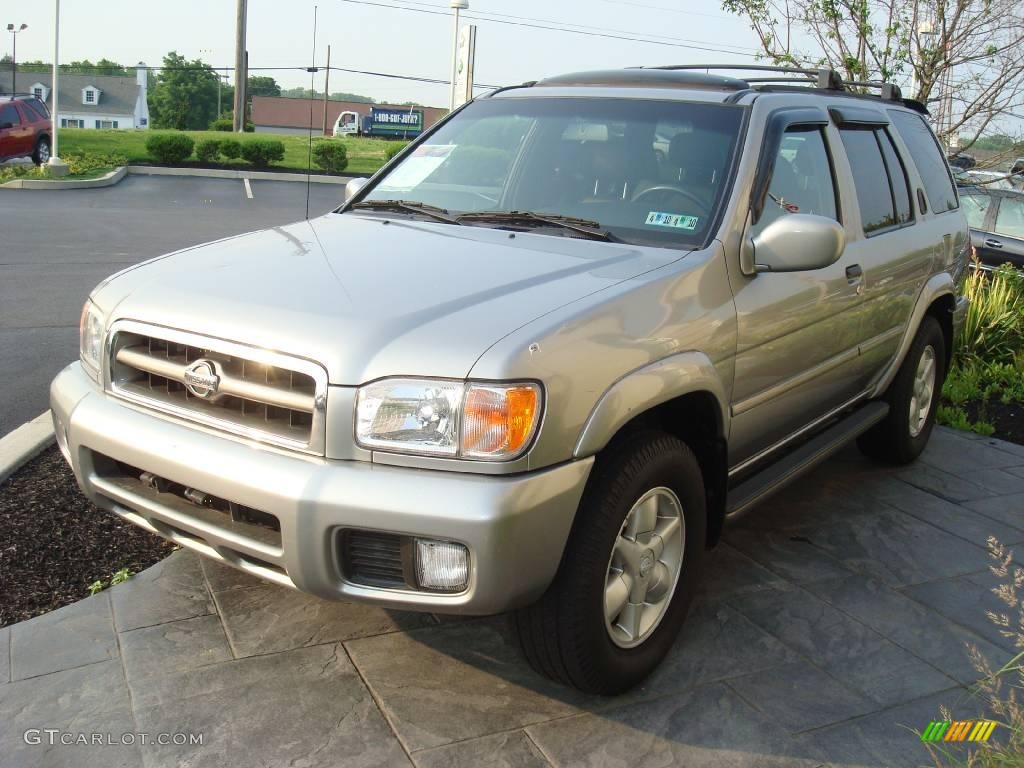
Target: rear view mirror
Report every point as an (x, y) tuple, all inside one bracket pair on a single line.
[(798, 242), (353, 187)]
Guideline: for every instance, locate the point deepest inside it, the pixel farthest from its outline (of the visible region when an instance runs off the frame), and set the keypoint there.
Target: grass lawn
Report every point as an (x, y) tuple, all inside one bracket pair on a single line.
[(364, 155)]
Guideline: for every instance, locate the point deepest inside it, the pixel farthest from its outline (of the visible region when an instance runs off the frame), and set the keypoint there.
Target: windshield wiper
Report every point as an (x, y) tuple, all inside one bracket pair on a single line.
[(408, 206), (527, 218)]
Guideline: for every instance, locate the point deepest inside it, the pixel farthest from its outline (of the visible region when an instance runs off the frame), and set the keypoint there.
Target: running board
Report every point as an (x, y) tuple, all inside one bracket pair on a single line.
[(775, 476)]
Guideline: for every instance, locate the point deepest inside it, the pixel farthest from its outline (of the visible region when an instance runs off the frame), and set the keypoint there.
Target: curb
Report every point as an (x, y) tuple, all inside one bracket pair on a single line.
[(103, 181), (224, 173), (24, 444)]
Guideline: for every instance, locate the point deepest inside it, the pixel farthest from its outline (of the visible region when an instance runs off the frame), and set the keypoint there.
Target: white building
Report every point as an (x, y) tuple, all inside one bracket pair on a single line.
[(90, 101)]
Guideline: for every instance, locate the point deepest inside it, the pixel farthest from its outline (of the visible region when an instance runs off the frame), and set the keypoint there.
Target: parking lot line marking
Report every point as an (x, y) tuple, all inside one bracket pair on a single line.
[(248, 189)]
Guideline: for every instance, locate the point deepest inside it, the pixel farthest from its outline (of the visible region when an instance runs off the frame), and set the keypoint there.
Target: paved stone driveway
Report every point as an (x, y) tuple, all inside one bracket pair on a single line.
[(833, 620)]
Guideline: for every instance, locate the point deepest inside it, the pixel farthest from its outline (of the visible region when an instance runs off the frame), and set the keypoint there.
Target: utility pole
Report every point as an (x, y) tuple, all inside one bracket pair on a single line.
[(327, 88), (456, 6), (240, 65)]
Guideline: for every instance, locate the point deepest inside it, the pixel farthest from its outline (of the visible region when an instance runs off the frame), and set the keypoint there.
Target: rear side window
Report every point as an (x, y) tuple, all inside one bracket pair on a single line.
[(931, 165), (871, 179), (36, 109), (897, 178), (9, 114), (976, 209)]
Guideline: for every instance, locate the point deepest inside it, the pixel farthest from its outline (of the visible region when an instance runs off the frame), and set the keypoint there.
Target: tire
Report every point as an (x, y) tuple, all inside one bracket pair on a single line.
[(565, 635), (901, 436), (41, 154)]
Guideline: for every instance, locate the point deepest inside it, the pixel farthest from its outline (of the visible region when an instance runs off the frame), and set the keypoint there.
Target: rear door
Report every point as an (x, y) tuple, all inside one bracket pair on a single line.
[(892, 252), (1005, 242)]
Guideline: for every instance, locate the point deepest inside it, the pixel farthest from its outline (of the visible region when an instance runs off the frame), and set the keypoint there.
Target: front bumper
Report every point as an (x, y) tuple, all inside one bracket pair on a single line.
[(515, 527)]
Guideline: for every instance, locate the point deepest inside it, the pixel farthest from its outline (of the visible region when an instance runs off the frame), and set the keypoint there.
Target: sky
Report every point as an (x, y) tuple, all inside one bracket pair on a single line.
[(383, 38)]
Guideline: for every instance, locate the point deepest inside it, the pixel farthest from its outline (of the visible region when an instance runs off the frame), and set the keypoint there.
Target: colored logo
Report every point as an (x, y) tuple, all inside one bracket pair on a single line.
[(958, 730)]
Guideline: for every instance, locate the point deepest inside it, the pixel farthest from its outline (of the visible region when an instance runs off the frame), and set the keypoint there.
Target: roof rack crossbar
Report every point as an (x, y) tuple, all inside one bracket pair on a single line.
[(825, 77)]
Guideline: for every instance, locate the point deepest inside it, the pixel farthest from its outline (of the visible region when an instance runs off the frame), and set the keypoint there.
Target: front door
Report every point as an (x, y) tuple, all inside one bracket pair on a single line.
[(798, 336), (1005, 243)]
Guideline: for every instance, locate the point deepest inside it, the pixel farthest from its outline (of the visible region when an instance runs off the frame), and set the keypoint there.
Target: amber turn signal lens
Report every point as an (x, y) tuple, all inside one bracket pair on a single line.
[(499, 420)]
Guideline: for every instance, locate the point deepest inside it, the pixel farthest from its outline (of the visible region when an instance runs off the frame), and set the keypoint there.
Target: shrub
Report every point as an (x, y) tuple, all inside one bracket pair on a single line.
[(390, 152), (207, 151), (330, 155), (87, 162), (222, 124), (262, 152), (169, 147), (12, 172), (231, 148), (994, 327)]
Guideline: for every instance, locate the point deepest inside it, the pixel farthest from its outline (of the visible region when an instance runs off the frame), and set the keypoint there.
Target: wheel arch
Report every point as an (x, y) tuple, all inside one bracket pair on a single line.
[(938, 299), (683, 396)]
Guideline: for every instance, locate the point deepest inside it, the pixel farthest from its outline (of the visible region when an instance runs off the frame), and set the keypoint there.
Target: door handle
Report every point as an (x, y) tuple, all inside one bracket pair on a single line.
[(993, 243), (854, 272)]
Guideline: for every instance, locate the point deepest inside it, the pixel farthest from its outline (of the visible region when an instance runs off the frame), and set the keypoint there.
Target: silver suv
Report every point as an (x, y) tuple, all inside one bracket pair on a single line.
[(535, 361)]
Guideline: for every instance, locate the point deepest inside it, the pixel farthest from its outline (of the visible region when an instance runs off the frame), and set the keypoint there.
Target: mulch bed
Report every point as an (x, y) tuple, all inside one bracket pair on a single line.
[(1007, 419), (54, 543)]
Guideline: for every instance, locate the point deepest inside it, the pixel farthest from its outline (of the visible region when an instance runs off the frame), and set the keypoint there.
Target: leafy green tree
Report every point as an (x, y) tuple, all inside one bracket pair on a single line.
[(185, 95), (261, 86)]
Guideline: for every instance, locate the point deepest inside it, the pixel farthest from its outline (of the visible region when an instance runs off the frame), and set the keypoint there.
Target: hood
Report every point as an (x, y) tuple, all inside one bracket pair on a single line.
[(367, 297)]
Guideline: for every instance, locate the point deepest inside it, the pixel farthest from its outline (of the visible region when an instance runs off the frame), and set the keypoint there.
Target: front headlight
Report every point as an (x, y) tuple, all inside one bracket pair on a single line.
[(91, 338), (448, 418)]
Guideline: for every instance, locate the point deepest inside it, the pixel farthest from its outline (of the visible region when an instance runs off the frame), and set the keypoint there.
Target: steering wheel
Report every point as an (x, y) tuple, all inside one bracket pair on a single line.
[(701, 205)]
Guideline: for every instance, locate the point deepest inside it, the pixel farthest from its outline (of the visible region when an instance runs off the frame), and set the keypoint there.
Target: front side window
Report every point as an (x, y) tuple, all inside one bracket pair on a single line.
[(9, 114), (652, 172), (802, 179), (1010, 218), (976, 209), (931, 165)]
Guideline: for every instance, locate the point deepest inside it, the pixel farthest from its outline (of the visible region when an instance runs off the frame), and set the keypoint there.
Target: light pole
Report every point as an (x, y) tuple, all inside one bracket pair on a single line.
[(456, 5), (14, 54), (57, 166)]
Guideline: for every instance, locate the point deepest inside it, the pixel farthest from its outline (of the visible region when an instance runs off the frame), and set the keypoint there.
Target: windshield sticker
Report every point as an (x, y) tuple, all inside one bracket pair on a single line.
[(415, 169), (674, 220)]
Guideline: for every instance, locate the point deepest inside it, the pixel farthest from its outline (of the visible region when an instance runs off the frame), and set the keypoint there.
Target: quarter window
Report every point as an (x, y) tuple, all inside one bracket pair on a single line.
[(897, 178), (931, 165), (802, 179), (870, 178), (1010, 219)]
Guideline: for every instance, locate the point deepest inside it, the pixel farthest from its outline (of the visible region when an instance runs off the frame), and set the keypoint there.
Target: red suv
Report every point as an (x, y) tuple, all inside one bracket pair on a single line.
[(25, 128)]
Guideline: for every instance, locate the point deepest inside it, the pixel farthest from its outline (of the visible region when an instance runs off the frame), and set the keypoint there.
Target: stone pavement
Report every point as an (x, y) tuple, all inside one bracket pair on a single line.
[(833, 622)]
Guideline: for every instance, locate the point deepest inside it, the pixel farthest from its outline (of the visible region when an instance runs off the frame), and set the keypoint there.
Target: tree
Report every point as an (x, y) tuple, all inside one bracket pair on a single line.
[(185, 94), (305, 93), (964, 58), (261, 86)]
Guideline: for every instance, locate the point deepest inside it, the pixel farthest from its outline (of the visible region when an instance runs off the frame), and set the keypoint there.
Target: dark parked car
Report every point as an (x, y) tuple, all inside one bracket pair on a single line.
[(25, 128), (996, 217)]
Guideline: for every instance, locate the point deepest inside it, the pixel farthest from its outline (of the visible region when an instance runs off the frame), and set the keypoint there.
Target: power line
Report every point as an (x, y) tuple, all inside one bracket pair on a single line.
[(533, 25), (563, 24)]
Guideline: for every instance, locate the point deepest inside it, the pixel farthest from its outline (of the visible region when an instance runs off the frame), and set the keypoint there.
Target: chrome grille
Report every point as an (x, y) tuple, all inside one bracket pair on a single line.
[(245, 390)]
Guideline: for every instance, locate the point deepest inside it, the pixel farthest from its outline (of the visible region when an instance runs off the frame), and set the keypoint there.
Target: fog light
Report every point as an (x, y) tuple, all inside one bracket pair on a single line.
[(441, 565)]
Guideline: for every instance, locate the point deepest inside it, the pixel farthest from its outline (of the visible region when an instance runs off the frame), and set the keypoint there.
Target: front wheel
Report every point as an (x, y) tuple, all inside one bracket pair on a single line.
[(913, 398), (629, 570)]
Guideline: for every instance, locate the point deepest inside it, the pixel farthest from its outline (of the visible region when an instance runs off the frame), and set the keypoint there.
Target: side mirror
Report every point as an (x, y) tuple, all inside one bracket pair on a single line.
[(798, 242), (353, 187)]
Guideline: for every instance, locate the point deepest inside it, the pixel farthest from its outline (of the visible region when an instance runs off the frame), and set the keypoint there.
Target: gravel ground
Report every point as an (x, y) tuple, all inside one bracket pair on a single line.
[(54, 543)]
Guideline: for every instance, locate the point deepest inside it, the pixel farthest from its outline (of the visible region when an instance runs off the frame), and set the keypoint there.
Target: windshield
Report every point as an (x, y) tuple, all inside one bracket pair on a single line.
[(649, 172)]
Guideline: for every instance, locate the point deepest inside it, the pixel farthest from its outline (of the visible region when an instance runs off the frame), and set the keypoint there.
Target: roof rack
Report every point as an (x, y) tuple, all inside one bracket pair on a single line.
[(823, 78)]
